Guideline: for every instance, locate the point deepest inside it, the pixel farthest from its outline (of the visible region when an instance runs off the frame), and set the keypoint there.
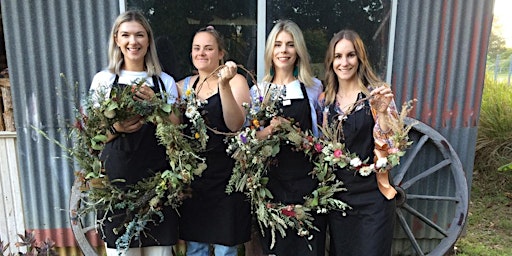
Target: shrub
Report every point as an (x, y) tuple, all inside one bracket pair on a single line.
[(494, 142), (32, 247)]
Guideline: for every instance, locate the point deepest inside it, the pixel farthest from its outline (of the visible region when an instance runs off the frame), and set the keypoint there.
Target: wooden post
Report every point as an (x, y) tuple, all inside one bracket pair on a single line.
[(2, 125), (6, 107)]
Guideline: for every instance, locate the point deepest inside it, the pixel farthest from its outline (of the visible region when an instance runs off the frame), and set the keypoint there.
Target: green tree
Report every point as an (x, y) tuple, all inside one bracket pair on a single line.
[(496, 46)]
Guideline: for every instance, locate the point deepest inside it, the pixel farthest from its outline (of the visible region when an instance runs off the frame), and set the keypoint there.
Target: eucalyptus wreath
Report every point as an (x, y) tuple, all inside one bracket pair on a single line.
[(253, 158), (145, 199)]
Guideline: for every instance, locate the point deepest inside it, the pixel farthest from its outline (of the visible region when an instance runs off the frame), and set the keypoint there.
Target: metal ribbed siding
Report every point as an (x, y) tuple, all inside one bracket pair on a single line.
[(439, 59), (440, 46), (44, 39)]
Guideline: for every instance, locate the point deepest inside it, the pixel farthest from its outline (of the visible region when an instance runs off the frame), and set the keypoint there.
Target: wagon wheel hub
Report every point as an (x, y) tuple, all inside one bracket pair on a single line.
[(400, 197)]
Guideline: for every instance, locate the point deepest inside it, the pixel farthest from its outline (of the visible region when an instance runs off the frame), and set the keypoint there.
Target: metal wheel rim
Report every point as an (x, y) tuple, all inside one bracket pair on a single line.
[(76, 220), (459, 197)]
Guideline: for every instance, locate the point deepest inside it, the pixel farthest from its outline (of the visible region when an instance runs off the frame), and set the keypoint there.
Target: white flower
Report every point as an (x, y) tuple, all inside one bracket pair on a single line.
[(381, 163), (365, 170), (190, 112), (109, 114), (355, 162)]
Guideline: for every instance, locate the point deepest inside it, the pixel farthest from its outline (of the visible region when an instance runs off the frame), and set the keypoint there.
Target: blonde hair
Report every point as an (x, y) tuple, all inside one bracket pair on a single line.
[(365, 74), (303, 60), (115, 56)]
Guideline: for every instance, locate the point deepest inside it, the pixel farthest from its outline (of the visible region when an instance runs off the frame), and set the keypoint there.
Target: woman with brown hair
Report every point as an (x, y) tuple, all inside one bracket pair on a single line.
[(364, 104), (210, 216)]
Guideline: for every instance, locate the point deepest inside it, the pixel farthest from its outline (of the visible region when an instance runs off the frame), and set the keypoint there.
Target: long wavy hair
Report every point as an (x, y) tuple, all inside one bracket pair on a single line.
[(116, 57), (365, 74), (303, 60)]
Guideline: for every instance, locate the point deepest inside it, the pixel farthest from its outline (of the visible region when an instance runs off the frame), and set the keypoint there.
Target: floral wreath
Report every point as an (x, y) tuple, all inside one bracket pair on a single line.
[(333, 153), (146, 198), (253, 157)]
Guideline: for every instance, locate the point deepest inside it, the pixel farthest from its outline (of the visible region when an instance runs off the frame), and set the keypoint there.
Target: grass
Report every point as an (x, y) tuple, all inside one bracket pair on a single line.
[(489, 226)]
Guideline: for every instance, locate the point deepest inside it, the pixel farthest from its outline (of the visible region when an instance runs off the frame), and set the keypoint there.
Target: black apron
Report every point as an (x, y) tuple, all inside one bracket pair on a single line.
[(133, 157), (289, 181), (370, 222), (211, 215)]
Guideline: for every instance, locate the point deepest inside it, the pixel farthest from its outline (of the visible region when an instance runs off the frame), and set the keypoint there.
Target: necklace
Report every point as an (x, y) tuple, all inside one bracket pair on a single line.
[(346, 109), (208, 91)]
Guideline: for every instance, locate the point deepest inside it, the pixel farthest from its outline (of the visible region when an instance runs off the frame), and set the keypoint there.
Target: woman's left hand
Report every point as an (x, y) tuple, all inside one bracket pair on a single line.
[(381, 97), (227, 72), (143, 93)]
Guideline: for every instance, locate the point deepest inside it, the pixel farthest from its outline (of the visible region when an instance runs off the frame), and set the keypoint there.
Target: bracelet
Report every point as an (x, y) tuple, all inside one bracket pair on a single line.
[(379, 129), (112, 130)]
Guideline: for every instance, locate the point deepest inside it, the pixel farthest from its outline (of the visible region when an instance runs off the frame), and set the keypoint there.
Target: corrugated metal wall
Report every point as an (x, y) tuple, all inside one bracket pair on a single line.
[(440, 46), (439, 59), (43, 40)]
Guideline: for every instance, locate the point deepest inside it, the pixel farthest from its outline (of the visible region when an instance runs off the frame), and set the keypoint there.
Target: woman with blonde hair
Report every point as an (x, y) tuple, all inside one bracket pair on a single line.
[(133, 151), (287, 70)]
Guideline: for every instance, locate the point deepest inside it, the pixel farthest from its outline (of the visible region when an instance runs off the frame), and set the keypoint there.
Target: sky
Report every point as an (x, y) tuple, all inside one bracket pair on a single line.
[(503, 17)]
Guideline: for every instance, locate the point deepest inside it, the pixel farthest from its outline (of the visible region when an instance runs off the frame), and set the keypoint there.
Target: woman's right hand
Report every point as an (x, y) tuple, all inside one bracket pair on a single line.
[(129, 125)]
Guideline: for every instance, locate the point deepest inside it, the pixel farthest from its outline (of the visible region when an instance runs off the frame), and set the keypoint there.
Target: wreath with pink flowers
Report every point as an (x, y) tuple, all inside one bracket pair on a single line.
[(253, 157)]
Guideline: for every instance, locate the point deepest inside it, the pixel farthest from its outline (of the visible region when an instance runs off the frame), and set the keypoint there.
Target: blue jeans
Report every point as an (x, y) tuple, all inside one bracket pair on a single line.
[(203, 249)]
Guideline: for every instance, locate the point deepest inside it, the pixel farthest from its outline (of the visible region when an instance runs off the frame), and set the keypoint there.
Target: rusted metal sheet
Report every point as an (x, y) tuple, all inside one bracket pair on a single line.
[(44, 39), (439, 59)]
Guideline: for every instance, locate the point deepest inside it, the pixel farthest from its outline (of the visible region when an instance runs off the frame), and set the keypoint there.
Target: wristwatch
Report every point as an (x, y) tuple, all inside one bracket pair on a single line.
[(112, 130)]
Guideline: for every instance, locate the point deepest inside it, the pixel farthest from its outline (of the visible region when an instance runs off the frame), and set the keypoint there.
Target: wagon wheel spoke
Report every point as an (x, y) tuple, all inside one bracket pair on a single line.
[(89, 228), (411, 154), (437, 198), (432, 192), (426, 173), (424, 219), (408, 231)]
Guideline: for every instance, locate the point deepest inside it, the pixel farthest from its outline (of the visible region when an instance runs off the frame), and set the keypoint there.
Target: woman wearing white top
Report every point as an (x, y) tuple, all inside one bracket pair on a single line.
[(133, 151)]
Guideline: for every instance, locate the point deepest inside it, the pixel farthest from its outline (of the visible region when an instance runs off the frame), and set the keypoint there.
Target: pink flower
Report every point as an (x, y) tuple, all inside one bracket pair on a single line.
[(393, 150), (318, 147), (338, 153)]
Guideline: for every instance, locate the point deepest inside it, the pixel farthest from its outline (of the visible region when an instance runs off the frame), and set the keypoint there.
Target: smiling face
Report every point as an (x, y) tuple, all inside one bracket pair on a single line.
[(206, 55), (345, 62), (133, 41), (285, 54)]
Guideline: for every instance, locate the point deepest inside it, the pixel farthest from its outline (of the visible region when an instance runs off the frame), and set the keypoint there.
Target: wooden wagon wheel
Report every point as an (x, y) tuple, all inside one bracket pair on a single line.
[(80, 225), (432, 200)]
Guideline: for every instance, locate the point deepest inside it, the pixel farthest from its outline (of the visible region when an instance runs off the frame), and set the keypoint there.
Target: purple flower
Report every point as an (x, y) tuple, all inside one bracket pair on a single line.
[(244, 139)]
